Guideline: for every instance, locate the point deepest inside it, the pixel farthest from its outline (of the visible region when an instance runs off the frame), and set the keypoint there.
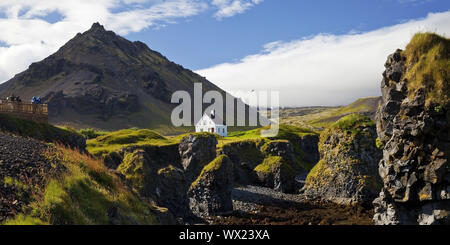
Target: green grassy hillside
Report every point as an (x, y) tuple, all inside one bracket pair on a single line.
[(82, 192), (321, 117)]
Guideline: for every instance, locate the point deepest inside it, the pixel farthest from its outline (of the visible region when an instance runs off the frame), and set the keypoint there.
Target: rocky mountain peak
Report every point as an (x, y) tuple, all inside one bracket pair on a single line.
[(97, 26)]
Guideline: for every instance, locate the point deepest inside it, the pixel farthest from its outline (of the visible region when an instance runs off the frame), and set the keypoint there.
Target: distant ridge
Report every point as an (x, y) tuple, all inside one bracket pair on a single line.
[(317, 118)]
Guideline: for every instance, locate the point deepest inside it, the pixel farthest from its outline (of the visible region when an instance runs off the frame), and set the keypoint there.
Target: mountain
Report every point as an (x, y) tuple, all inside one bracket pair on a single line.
[(101, 80)]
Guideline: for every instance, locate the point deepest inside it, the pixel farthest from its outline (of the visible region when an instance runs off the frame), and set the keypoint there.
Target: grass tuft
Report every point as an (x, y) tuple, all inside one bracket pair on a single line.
[(428, 60)]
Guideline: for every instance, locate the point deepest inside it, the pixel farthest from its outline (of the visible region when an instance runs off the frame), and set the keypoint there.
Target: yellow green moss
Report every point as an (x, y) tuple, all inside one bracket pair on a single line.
[(271, 163), (379, 144), (315, 175), (166, 171), (427, 58), (214, 165), (134, 169)]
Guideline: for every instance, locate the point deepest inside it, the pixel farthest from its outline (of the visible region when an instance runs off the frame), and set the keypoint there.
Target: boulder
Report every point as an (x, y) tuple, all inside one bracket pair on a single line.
[(210, 193), (171, 191), (195, 152), (347, 171), (278, 171), (156, 173), (274, 172)]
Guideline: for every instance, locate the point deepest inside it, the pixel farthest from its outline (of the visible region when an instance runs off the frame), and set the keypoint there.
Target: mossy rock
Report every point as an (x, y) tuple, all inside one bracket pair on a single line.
[(348, 170), (211, 168), (135, 169), (275, 172), (210, 193)]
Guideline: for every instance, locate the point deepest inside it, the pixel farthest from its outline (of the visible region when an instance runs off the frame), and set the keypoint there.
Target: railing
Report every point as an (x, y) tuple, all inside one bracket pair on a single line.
[(23, 108)]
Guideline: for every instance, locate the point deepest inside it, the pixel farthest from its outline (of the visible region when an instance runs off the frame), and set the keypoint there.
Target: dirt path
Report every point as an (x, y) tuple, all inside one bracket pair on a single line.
[(263, 206)]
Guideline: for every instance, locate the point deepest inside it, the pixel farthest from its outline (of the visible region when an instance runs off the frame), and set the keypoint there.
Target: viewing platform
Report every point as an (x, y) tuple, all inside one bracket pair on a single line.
[(25, 110)]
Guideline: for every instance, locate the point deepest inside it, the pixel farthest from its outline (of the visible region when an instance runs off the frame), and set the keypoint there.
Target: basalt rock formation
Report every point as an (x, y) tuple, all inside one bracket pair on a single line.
[(166, 173), (245, 155), (210, 194), (276, 170), (155, 172), (196, 151), (347, 171), (413, 125)]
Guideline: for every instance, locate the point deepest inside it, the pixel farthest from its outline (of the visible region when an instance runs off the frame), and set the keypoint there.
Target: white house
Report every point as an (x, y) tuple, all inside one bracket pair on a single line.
[(212, 124)]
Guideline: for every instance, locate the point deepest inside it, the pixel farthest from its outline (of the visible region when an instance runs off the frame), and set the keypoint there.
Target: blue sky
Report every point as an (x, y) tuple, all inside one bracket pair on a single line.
[(325, 52), (201, 41)]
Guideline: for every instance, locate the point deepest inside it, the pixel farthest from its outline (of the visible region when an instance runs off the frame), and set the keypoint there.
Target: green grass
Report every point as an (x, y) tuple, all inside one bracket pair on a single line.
[(359, 106), (83, 194), (90, 133), (287, 132), (114, 141), (21, 219), (353, 122), (32, 129), (428, 58)]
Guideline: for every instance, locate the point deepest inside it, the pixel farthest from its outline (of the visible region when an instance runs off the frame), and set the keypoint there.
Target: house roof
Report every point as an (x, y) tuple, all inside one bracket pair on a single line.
[(217, 120)]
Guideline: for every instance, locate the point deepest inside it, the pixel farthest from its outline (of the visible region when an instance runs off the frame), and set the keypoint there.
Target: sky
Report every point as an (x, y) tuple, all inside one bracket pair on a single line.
[(321, 52)]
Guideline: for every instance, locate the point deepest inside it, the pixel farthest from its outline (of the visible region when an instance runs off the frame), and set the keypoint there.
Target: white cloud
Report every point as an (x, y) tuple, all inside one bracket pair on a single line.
[(228, 8), (324, 69)]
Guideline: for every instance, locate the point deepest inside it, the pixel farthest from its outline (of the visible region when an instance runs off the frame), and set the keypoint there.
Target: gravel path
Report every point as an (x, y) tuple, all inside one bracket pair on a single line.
[(22, 168), (251, 198)]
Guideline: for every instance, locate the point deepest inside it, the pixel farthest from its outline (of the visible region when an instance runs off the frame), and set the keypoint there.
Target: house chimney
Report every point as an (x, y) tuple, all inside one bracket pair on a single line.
[(213, 114)]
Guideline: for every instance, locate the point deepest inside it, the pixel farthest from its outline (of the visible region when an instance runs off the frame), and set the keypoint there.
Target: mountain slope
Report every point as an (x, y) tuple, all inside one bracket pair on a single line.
[(101, 80), (318, 118)]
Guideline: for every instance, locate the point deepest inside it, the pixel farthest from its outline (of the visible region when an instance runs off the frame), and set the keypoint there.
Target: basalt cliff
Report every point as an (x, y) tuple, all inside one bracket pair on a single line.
[(413, 127)]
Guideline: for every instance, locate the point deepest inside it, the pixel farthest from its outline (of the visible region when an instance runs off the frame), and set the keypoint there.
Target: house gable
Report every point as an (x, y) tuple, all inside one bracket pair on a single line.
[(207, 124)]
